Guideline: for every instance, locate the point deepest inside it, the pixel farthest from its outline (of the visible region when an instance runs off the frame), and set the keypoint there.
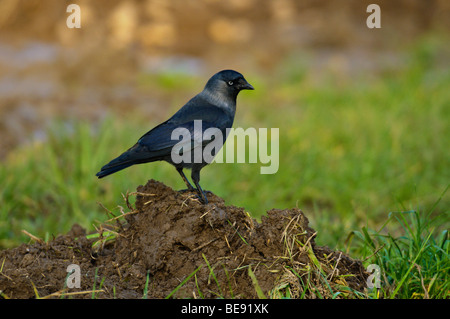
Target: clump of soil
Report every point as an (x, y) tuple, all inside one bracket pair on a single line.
[(170, 244)]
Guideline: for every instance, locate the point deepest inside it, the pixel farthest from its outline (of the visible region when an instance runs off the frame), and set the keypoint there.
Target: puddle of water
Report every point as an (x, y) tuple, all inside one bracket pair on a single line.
[(29, 53)]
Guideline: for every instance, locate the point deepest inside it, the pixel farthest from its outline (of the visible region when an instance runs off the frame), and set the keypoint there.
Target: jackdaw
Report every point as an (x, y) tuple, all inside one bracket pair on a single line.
[(215, 107)]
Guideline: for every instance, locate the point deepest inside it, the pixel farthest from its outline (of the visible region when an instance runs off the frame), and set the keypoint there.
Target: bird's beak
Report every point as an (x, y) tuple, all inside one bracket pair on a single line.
[(246, 86)]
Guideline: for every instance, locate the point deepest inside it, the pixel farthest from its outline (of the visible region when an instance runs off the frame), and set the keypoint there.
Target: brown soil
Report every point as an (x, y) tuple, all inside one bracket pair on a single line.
[(166, 238)]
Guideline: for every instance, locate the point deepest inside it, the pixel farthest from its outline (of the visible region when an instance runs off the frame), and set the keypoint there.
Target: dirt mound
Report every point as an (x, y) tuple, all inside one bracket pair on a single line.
[(172, 245)]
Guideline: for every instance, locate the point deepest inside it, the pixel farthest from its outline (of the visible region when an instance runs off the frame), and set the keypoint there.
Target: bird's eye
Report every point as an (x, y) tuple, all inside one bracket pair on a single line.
[(230, 83)]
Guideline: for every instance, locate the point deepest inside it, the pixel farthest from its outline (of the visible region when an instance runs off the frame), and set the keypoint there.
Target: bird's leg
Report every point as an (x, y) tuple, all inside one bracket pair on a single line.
[(196, 179), (189, 186)]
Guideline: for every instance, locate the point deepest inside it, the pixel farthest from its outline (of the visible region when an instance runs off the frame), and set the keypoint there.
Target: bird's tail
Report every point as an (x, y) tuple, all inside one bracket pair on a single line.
[(134, 155), (125, 160), (109, 169)]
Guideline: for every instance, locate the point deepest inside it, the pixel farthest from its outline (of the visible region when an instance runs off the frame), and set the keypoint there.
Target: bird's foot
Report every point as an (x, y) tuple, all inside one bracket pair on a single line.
[(203, 199), (187, 190)]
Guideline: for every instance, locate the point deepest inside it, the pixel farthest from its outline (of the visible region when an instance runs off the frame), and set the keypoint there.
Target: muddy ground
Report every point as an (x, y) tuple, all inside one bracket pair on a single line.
[(168, 237)]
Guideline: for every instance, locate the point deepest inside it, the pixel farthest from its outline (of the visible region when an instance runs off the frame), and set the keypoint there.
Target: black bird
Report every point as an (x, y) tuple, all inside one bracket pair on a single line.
[(215, 106)]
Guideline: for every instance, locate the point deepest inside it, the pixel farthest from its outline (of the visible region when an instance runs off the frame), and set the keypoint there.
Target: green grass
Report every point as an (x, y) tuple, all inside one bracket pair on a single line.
[(414, 263), (352, 149)]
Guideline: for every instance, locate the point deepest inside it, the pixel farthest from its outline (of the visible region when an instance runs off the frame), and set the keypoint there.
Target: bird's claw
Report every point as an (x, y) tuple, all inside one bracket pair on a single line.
[(201, 197), (187, 190)]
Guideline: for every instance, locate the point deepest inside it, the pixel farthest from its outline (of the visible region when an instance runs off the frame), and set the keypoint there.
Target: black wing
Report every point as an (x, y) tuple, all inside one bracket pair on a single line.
[(157, 144), (160, 137)]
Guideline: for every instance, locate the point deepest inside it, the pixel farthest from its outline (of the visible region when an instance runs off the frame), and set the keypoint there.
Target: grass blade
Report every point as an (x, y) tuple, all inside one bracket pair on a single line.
[(258, 289), (183, 282)]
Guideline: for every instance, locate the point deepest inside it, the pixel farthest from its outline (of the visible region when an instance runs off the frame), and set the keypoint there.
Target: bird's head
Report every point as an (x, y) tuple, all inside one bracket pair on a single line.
[(228, 83)]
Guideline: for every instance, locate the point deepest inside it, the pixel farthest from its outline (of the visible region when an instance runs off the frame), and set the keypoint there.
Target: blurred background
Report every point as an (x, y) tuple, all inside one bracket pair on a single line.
[(363, 113)]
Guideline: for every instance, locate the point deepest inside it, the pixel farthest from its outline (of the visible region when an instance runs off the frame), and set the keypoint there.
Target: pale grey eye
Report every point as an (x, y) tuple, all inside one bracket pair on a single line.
[(230, 83)]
